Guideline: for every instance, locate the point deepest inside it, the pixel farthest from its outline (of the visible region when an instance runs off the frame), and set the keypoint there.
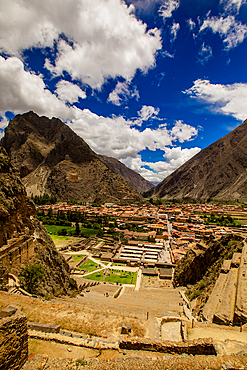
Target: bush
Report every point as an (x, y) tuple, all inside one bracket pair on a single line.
[(62, 232), (31, 275)]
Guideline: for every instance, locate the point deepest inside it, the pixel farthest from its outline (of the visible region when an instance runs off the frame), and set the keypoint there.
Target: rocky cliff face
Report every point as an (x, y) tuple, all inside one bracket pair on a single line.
[(200, 268), (134, 179), (199, 260), (51, 158), (218, 171), (23, 240)]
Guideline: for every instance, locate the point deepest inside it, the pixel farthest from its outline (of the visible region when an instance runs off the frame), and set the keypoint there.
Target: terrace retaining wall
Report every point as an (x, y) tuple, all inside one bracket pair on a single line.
[(13, 342)]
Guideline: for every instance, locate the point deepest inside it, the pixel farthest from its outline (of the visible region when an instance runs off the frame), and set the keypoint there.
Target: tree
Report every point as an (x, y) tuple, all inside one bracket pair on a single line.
[(100, 233), (62, 232), (77, 228), (31, 275)]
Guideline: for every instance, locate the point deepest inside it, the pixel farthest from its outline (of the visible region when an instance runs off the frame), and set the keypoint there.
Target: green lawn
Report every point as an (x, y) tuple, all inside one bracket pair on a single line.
[(53, 229), (77, 257), (123, 278), (89, 266), (97, 276)]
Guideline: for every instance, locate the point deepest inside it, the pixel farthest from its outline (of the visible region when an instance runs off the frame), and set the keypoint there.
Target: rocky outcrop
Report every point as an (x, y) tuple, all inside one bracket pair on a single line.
[(218, 171), (134, 179), (23, 240), (210, 253), (52, 159)]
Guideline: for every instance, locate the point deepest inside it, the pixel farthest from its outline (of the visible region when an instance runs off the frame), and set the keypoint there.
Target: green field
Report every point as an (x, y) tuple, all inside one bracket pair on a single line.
[(77, 257), (89, 266), (97, 276), (123, 278), (53, 229)]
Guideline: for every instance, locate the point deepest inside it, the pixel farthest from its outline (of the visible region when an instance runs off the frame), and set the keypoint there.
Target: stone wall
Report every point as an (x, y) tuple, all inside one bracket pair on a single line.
[(13, 342), (18, 251), (196, 347)]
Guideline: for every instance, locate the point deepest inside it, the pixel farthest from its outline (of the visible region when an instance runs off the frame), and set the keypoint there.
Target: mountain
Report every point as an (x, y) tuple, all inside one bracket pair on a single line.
[(133, 178), (218, 171), (51, 158), (24, 242)]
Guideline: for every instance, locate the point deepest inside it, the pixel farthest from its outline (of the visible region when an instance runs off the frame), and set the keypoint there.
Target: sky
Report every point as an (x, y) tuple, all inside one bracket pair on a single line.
[(149, 82)]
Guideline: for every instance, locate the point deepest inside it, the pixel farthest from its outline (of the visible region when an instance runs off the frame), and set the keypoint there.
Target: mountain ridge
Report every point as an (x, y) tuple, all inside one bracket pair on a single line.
[(134, 179), (52, 158), (218, 171)]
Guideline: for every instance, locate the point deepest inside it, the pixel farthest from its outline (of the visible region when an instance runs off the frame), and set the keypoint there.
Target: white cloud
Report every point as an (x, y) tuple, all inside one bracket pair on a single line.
[(183, 132), (190, 23), (105, 38), (224, 99), (123, 92), (69, 92), (232, 32), (205, 53), (21, 91), (118, 138), (147, 112), (168, 8), (3, 123), (232, 5), (156, 172), (174, 30)]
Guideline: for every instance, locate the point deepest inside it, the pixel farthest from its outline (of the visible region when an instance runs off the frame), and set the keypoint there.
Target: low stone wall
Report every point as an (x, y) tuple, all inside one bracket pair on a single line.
[(199, 347), (13, 342)]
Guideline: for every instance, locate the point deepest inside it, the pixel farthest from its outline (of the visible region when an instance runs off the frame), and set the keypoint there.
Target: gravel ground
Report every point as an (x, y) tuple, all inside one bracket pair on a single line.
[(168, 362)]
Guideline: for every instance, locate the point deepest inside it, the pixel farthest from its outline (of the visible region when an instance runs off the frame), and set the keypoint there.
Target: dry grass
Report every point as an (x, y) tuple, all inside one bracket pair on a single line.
[(90, 321)]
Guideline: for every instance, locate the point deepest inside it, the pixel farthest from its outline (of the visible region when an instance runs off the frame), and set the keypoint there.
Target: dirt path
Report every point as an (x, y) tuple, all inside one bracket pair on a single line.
[(218, 334)]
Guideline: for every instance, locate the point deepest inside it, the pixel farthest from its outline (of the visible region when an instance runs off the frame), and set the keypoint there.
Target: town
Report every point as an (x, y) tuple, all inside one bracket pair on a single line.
[(151, 237)]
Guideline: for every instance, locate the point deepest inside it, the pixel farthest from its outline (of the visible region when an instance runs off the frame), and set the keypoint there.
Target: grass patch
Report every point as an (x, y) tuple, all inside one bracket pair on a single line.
[(88, 232), (123, 278), (53, 230), (77, 257), (97, 276), (89, 265)]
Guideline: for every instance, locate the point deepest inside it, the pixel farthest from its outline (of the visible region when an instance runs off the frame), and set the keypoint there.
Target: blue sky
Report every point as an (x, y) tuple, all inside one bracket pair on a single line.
[(149, 82)]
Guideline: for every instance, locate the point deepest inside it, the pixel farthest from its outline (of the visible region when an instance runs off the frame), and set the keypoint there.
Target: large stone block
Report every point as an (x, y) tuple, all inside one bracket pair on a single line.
[(13, 342)]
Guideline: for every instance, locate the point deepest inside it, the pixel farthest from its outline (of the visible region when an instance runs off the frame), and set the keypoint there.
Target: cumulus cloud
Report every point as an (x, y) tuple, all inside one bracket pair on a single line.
[(146, 113), (183, 132), (174, 30), (22, 90), (205, 53), (69, 92), (123, 92), (168, 7), (225, 99), (104, 34), (232, 32), (156, 172), (232, 5), (117, 137), (190, 23)]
